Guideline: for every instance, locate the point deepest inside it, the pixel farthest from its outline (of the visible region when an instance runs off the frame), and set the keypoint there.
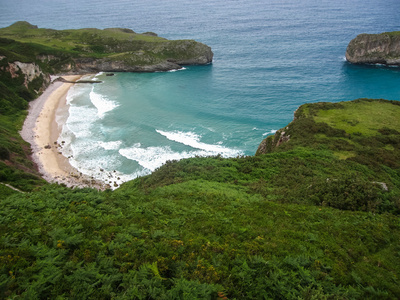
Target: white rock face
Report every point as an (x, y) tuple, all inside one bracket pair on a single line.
[(30, 71)]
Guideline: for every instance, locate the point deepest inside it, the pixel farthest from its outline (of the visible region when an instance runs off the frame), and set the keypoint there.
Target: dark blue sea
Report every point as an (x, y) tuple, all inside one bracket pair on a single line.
[(269, 58)]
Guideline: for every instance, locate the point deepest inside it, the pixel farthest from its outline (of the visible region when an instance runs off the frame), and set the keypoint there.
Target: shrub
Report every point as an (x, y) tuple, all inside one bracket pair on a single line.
[(4, 153), (347, 193)]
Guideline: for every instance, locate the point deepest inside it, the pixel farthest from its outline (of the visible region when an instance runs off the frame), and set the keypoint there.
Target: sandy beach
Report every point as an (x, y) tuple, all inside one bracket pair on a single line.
[(41, 131)]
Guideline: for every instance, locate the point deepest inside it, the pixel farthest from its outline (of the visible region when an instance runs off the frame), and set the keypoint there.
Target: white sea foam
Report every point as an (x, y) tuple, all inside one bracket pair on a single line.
[(65, 139), (152, 158), (110, 145), (80, 120), (181, 69), (270, 132), (102, 103), (76, 92), (97, 75), (193, 140)]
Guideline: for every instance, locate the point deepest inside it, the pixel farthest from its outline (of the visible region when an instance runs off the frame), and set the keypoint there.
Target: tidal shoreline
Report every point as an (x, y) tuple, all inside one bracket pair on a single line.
[(41, 130)]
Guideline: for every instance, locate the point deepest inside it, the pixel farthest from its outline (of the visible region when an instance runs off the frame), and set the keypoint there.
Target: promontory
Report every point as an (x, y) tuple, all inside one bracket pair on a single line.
[(383, 48), (91, 50)]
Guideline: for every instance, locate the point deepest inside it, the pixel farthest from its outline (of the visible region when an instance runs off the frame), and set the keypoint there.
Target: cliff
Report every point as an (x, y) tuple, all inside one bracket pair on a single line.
[(94, 50), (381, 48)]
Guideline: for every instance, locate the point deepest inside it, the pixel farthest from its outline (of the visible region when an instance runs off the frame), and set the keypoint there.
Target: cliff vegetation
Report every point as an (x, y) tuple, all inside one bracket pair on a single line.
[(314, 215)]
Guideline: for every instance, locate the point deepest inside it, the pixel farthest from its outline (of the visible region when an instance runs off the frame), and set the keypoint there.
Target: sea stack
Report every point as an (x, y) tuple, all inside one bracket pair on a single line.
[(383, 48)]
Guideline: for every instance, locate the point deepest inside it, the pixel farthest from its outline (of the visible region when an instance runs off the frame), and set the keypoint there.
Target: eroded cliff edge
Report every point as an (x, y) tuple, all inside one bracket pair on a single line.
[(93, 50), (383, 48)]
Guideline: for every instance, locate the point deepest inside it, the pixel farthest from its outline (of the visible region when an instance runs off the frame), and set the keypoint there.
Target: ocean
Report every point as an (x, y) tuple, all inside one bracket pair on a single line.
[(269, 58)]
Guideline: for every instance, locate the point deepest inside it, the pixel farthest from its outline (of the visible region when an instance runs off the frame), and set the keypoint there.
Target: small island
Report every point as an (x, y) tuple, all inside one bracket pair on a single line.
[(383, 48)]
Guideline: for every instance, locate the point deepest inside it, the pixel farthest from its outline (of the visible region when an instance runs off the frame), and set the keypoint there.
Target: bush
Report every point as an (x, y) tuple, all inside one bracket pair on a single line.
[(347, 193), (4, 153)]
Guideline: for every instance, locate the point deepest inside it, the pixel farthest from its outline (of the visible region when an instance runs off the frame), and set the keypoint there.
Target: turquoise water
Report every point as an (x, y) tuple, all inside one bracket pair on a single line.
[(269, 58)]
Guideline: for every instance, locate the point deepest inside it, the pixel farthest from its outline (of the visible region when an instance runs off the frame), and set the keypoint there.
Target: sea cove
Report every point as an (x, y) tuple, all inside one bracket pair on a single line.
[(314, 214)]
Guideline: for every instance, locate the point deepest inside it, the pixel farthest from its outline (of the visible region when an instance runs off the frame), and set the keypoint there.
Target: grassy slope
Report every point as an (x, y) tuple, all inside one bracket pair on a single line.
[(295, 223)]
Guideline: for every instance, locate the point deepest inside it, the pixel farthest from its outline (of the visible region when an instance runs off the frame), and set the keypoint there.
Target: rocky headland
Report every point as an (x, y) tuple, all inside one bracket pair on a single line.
[(383, 48), (92, 50)]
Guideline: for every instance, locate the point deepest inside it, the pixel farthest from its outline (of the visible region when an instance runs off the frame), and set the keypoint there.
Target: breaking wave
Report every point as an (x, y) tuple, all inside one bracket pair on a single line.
[(102, 103), (152, 158), (193, 140)]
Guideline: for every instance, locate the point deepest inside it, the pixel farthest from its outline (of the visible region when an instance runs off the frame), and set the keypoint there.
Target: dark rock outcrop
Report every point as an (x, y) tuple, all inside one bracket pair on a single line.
[(155, 57), (150, 33), (381, 48), (93, 65), (272, 142)]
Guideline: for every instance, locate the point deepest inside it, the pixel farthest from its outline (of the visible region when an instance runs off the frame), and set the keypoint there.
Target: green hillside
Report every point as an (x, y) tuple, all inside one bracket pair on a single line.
[(313, 215)]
